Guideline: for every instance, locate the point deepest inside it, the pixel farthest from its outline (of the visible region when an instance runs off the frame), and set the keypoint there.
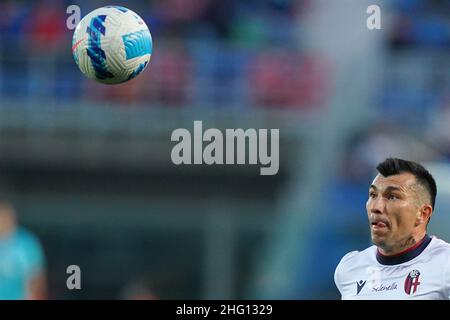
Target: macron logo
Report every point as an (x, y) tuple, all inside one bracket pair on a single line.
[(359, 285)]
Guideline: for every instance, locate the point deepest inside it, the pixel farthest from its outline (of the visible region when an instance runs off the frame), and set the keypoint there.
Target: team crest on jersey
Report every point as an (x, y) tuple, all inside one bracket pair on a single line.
[(412, 282)]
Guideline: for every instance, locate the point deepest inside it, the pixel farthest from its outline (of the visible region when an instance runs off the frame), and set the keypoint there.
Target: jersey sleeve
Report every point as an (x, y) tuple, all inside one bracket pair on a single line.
[(340, 269), (447, 278), (34, 261), (336, 278)]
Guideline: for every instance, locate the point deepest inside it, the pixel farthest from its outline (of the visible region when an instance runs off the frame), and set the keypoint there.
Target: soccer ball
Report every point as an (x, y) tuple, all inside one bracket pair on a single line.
[(112, 45)]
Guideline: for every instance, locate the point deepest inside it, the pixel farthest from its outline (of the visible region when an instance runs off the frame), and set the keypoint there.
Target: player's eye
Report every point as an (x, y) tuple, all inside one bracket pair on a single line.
[(392, 197), (372, 195)]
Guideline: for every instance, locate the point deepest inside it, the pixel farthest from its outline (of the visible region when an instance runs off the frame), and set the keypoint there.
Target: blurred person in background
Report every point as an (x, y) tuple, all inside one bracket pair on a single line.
[(22, 266), (404, 262), (138, 289)]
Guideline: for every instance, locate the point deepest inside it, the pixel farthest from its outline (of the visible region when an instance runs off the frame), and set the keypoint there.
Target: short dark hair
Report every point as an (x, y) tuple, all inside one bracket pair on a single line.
[(393, 166)]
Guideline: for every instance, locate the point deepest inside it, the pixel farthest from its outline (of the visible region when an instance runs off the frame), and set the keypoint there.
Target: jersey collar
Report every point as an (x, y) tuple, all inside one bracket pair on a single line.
[(406, 255)]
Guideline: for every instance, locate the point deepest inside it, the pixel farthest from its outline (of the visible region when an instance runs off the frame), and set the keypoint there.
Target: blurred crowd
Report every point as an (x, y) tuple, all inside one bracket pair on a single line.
[(210, 53)]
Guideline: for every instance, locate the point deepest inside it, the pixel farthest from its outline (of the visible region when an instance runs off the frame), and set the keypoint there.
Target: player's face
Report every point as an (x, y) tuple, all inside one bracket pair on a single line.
[(393, 210)]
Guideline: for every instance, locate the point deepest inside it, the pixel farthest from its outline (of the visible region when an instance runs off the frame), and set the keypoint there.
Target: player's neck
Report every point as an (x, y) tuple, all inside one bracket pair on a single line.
[(404, 255), (404, 246)]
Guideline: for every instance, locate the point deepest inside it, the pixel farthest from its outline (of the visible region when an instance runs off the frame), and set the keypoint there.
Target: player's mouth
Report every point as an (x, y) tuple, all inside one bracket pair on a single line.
[(379, 224)]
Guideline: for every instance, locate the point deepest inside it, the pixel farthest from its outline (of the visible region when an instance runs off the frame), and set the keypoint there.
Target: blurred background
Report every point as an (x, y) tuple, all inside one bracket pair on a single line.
[(87, 166)]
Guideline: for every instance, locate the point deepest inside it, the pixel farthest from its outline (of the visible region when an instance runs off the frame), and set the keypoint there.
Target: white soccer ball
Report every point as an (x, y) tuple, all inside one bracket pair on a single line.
[(112, 45)]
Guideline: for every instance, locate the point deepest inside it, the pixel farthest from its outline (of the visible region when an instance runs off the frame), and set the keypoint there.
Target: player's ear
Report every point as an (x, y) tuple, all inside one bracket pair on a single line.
[(424, 214)]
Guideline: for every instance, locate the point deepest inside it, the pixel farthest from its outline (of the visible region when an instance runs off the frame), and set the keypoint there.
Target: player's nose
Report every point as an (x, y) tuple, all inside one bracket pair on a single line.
[(376, 205)]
